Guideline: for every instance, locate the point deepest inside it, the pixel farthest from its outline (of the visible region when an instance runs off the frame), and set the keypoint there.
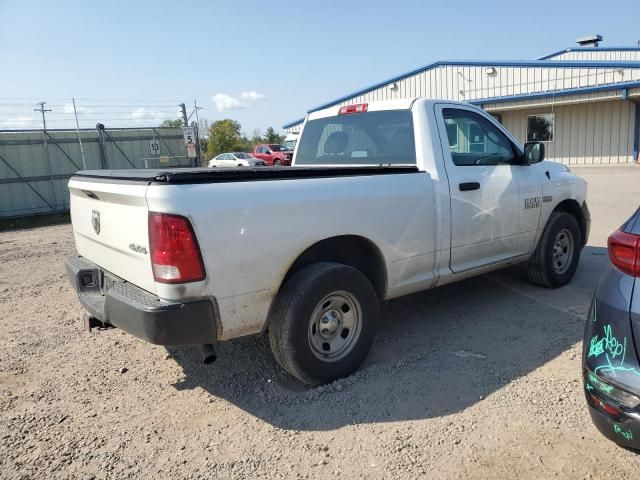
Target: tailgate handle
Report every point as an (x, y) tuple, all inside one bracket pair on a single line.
[(90, 194), (466, 186)]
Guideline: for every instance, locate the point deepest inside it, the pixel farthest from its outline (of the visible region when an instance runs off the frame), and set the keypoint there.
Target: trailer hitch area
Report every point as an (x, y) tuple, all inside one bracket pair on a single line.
[(89, 323)]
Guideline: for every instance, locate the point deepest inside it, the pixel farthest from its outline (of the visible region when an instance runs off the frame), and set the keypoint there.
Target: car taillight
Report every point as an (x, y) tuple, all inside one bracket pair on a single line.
[(357, 108), (605, 407), (175, 255), (624, 252)]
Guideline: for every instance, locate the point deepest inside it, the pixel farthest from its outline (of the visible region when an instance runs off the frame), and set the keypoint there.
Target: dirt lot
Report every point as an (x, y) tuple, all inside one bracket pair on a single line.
[(474, 380)]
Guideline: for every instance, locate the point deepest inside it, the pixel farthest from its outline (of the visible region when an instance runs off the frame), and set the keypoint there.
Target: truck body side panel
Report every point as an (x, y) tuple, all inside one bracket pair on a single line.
[(247, 248)]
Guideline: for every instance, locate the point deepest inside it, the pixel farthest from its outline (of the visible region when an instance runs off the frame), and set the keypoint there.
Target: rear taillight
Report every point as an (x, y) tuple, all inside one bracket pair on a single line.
[(357, 108), (175, 255), (605, 407), (624, 252)]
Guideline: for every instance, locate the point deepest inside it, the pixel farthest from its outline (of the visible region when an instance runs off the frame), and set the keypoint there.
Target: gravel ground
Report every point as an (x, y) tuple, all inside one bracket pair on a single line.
[(479, 379)]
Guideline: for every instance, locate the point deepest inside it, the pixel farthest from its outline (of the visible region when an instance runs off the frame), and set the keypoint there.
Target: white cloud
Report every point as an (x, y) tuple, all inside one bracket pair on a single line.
[(252, 95), (68, 108), (18, 122), (227, 102), (142, 115)]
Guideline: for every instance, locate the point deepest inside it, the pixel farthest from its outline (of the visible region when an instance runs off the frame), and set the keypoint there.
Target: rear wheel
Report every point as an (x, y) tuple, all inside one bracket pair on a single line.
[(555, 260), (323, 322)]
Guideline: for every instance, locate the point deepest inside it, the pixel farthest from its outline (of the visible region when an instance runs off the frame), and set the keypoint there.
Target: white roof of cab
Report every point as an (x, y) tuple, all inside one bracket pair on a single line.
[(396, 104)]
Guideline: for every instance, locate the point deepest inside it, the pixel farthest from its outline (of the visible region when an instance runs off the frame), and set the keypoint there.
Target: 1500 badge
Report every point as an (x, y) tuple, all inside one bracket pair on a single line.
[(532, 203)]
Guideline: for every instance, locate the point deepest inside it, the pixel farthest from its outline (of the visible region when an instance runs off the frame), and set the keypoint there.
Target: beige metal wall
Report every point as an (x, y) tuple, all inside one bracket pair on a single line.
[(586, 133), (604, 55), (467, 83)]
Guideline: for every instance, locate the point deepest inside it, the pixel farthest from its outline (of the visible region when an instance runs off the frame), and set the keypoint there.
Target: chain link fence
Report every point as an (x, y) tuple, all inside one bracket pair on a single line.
[(35, 165)]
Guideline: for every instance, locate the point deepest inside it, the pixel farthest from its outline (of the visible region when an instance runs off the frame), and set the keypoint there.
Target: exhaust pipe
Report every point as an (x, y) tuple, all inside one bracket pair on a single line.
[(208, 353)]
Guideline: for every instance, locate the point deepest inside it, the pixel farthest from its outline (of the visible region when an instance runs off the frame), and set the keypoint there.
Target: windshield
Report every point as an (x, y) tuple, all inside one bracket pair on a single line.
[(243, 156), (278, 148), (384, 138)]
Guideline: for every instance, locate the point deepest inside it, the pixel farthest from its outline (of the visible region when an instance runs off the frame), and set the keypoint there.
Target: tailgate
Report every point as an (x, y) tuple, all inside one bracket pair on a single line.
[(110, 227)]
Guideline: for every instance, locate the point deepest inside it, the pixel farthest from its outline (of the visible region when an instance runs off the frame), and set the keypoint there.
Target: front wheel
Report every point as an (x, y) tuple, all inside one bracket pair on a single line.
[(277, 163), (323, 322), (555, 259)]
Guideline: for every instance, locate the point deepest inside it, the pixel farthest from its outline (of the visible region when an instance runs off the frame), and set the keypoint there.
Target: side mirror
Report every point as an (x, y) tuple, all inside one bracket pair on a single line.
[(533, 152), (269, 152)]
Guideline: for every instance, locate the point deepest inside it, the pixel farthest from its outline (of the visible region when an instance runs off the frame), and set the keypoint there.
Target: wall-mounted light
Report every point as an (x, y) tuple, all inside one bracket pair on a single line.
[(393, 86), (619, 71), (490, 71)]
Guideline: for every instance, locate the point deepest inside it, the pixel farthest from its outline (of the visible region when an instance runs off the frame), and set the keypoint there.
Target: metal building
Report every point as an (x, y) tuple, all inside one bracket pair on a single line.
[(583, 102)]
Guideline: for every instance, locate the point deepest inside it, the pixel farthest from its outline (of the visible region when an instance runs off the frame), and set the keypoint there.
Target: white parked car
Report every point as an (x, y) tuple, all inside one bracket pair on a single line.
[(236, 159), (384, 199)]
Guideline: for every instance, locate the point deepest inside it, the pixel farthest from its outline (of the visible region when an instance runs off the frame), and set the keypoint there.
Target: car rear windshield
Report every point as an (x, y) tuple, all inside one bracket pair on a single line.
[(384, 137)]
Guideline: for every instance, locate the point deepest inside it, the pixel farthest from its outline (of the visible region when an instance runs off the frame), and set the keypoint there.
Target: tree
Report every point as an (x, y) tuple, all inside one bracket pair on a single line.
[(224, 136), (270, 136), (172, 123)]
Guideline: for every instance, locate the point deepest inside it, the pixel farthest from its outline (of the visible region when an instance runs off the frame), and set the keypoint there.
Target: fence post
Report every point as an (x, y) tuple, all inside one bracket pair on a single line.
[(48, 160), (103, 153)]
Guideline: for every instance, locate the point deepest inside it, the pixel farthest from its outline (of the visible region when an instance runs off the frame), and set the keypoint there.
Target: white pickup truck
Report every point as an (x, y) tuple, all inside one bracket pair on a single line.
[(384, 199)]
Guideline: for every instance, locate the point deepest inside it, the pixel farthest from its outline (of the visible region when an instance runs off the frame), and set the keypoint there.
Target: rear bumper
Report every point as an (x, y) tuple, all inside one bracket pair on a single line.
[(625, 431), (121, 304)]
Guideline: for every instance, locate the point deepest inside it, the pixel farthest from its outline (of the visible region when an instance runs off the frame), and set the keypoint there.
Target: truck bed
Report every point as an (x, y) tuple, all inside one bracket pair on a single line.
[(250, 230)]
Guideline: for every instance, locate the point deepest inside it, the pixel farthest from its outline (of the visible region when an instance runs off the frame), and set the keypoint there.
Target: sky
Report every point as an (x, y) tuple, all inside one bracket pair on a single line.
[(262, 63)]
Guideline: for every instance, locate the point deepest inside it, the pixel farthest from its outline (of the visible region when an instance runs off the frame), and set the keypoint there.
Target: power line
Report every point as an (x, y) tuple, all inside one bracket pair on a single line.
[(117, 106), (123, 100)]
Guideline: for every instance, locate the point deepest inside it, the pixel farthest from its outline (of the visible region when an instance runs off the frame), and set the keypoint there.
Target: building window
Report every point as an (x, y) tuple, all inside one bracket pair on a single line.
[(452, 133), (540, 127)]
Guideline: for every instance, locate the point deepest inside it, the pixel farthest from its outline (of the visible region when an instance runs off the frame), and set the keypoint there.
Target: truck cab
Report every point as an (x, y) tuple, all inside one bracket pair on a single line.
[(273, 154), (290, 141)]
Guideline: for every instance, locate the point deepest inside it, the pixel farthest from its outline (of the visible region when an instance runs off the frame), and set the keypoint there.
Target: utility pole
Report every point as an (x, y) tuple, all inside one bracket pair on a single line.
[(196, 108), (183, 107), (198, 150), (42, 110)]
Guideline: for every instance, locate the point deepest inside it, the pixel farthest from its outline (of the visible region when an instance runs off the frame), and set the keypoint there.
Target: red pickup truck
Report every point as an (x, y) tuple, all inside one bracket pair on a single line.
[(275, 155)]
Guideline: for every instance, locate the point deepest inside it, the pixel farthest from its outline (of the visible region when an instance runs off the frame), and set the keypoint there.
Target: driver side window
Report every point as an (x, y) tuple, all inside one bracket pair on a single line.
[(473, 140)]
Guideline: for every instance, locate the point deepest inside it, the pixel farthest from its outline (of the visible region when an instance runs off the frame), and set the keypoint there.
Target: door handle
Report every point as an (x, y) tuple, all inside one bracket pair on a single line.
[(466, 186)]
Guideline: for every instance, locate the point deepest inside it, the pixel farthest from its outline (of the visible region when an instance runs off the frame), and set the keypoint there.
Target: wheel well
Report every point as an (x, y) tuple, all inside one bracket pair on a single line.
[(573, 208), (352, 250)]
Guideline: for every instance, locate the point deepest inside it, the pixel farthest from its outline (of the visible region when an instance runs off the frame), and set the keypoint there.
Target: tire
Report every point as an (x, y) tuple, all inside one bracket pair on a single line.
[(240, 165), (314, 309), (555, 259), (277, 163)]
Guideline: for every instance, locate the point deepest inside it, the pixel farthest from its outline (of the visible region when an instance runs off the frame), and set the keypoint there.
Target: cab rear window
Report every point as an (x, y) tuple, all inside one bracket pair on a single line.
[(384, 137)]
